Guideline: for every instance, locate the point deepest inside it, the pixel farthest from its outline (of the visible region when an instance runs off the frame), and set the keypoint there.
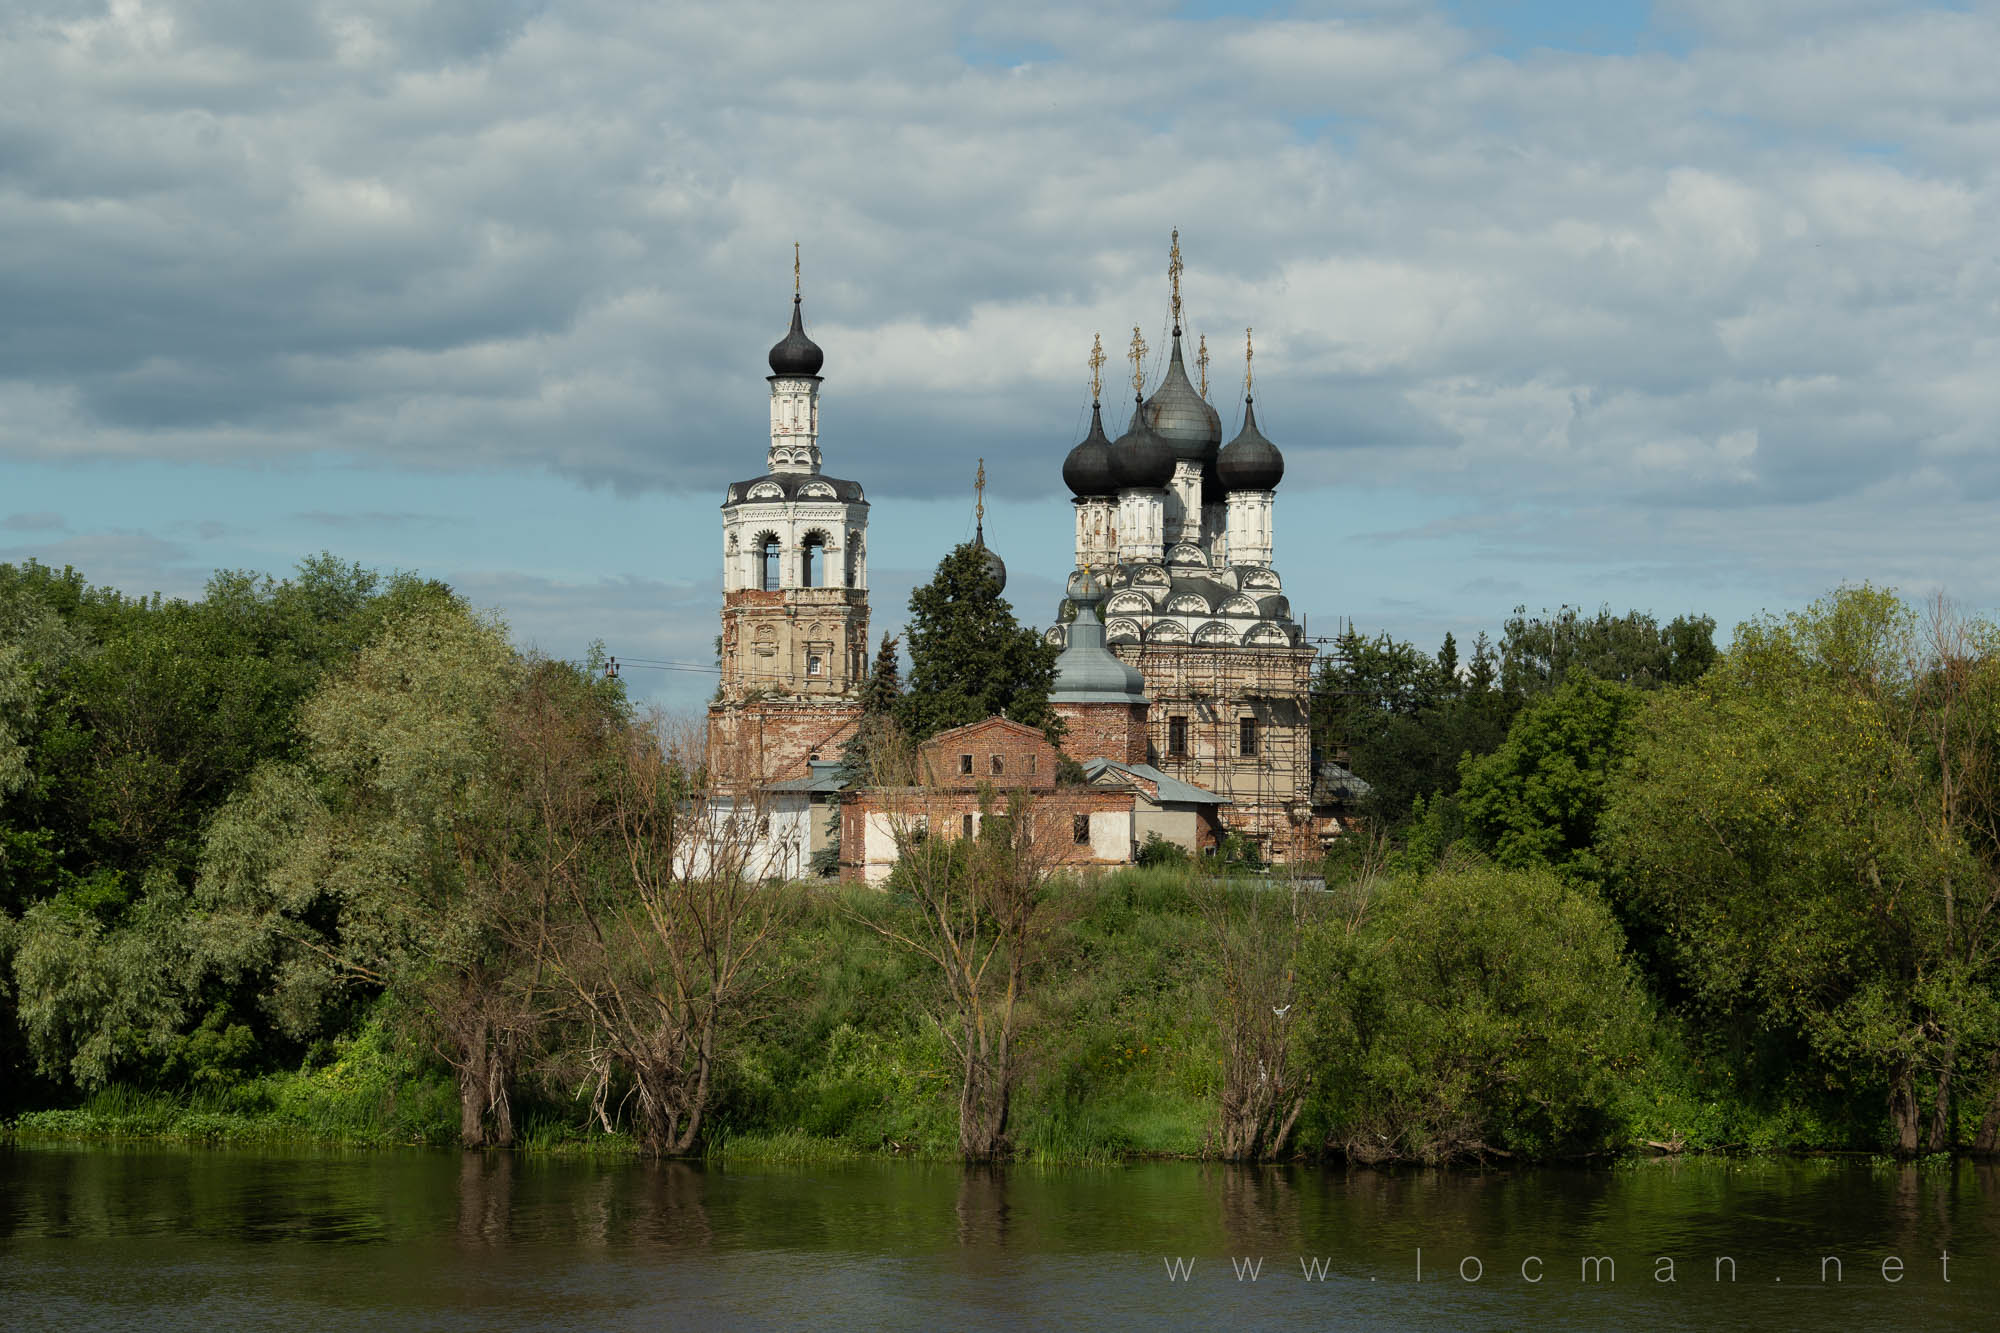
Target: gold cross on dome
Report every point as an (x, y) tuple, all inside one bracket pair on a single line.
[(1201, 363), (979, 489), (1137, 355), (1247, 354), (1096, 365), (1174, 276), (795, 268)]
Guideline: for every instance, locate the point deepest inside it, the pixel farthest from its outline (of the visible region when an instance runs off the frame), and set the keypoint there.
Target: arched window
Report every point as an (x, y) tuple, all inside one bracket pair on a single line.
[(769, 571), (812, 562)]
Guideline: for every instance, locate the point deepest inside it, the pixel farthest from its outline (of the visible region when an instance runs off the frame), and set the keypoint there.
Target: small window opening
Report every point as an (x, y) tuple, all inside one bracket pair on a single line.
[(967, 825), (999, 766), (965, 764), (1177, 738), (769, 569), (1079, 829), (1247, 736)]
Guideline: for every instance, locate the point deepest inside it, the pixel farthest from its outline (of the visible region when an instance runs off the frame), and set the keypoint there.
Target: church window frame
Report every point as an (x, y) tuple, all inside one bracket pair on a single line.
[(1247, 738), (1177, 737)]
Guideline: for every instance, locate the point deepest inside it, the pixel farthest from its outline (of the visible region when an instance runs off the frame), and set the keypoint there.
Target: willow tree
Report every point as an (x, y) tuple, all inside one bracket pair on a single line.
[(359, 865)]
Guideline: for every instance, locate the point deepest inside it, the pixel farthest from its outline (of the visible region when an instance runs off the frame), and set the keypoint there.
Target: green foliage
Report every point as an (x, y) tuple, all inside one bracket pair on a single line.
[(1158, 852), (1238, 851), (877, 750), (1538, 653), (1471, 1012), (1536, 800), (1782, 832), (124, 725), (1404, 718), (969, 658)]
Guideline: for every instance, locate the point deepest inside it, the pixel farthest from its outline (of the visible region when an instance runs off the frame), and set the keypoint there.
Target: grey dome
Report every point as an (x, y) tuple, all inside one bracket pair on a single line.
[(1179, 415), (1250, 462), (1139, 458), (796, 354), (1086, 671), (995, 566), (1087, 471)]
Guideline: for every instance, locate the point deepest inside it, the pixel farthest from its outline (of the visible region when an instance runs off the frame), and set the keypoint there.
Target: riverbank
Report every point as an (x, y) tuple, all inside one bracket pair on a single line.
[(845, 1061)]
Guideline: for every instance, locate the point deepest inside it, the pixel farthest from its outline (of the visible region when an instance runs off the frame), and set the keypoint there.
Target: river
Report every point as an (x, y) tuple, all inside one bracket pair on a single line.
[(158, 1238)]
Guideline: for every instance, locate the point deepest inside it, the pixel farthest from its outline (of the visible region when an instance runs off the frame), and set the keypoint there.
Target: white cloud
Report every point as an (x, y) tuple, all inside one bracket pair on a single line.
[(465, 236)]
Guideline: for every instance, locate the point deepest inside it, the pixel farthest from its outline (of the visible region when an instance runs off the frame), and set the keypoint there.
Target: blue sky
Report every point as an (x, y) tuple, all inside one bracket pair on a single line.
[(1685, 306)]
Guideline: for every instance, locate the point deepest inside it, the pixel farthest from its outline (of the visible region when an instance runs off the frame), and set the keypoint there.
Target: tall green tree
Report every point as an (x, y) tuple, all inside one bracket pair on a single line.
[(877, 742), (1405, 718), (139, 718), (363, 865), (1537, 652), (1535, 801), (969, 658), (1807, 824)]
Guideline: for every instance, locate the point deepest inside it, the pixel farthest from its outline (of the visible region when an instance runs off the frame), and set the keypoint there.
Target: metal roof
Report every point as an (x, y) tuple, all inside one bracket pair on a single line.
[(1171, 790)]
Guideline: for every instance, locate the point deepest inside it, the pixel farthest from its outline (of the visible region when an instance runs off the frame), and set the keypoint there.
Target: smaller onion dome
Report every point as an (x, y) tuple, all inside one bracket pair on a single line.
[(796, 354), (1250, 462), (1139, 458), (996, 568), (1087, 471)]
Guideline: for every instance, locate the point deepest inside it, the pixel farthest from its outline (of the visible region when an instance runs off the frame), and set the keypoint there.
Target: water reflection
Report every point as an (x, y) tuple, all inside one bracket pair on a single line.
[(214, 1239), (981, 1207), (485, 1197)]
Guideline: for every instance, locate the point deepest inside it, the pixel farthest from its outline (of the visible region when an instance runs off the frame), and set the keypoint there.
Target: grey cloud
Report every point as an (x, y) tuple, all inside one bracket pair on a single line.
[(470, 236), (37, 522)]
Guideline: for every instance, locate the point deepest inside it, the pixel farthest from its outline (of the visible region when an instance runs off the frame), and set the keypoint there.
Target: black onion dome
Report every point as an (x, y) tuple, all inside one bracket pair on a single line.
[(1139, 458), (1250, 462), (996, 568), (796, 354), (1179, 416), (1087, 471)]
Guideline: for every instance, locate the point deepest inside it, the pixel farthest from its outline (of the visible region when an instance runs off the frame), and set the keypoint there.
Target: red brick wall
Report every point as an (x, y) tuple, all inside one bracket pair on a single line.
[(1107, 731), (943, 813), (772, 740), (1026, 757)]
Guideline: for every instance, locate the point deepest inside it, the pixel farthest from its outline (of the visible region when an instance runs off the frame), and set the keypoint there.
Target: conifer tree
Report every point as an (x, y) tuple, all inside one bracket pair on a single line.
[(885, 681), (969, 658), (876, 734)]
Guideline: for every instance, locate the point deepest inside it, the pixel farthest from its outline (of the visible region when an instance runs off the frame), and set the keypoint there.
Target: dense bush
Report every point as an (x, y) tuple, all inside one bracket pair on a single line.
[(1471, 1013)]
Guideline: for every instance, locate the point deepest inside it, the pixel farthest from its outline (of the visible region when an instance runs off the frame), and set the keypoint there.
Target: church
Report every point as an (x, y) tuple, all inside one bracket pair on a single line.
[(1183, 682)]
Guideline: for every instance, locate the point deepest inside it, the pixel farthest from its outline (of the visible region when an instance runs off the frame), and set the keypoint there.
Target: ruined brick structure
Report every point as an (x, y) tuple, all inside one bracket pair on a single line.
[(968, 775)]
